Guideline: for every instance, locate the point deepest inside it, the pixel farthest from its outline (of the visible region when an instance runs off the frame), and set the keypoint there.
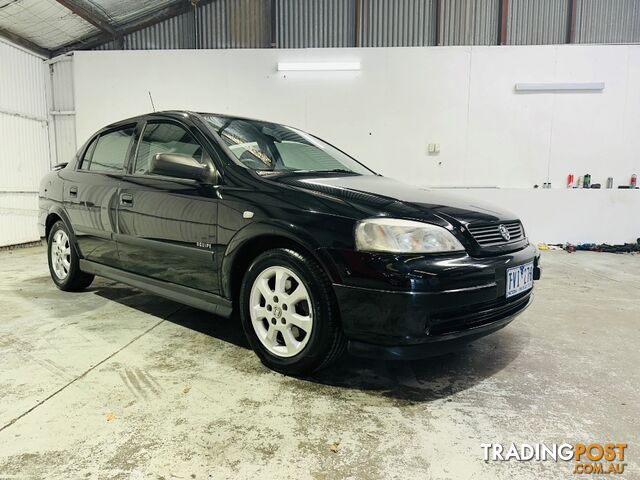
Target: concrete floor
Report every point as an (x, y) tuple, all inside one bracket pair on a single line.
[(114, 383)]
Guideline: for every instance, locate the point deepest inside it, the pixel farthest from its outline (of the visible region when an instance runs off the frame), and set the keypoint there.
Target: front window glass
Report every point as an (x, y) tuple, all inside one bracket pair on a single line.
[(164, 138), (273, 147)]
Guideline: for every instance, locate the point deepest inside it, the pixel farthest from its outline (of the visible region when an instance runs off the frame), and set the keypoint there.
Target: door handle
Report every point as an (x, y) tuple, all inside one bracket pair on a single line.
[(73, 191), (126, 199)]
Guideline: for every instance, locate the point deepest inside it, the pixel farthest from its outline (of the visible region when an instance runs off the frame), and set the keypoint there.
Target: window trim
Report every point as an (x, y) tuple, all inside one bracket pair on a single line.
[(93, 143), (87, 153)]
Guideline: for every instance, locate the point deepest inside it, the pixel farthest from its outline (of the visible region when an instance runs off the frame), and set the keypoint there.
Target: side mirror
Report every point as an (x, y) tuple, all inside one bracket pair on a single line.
[(178, 165)]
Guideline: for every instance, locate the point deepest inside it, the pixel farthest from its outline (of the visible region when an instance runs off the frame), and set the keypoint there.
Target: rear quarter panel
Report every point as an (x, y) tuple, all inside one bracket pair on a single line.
[(49, 198)]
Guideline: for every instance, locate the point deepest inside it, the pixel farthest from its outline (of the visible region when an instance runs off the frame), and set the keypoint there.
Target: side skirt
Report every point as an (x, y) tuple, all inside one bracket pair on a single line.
[(189, 296)]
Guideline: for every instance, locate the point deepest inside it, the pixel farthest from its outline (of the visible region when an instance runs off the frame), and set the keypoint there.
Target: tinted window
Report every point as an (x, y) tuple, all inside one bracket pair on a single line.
[(302, 156), (164, 138), (86, 159), (109, 152), (270, 146)]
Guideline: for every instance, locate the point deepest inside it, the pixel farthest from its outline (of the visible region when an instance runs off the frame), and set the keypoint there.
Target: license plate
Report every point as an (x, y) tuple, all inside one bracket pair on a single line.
[(519, 279)]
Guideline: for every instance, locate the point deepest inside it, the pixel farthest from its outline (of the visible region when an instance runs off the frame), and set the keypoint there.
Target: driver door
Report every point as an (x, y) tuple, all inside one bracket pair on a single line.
[(167, 226)]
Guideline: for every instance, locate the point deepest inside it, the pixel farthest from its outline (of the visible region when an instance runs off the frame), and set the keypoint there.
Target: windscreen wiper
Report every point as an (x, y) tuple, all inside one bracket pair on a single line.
[(333, 170), (338, 170)]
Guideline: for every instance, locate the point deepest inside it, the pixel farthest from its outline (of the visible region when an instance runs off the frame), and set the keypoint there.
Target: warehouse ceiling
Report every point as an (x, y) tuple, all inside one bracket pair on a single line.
[(51, 25)]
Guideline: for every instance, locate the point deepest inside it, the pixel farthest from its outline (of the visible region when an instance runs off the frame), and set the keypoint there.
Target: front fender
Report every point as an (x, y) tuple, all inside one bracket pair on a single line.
[(269, 230)]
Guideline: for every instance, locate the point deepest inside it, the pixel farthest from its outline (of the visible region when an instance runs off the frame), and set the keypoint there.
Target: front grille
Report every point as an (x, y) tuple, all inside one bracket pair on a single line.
[(478, 315), (490, 235)]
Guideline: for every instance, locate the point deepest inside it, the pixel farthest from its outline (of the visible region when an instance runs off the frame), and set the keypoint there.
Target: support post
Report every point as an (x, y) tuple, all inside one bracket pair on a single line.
[(571, 31), (439, 14), (504, 15)]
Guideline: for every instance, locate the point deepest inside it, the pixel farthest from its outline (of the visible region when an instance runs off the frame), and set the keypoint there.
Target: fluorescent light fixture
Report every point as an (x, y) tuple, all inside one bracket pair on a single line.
[(317, 66), (572, 86)]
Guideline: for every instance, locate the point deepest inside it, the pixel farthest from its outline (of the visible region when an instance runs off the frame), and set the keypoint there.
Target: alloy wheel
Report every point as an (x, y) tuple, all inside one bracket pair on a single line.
[(61, 254), (281, 311)]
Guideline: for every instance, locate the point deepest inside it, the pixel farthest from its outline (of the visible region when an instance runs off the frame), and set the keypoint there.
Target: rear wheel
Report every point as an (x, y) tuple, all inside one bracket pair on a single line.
[(289, 314), (64, 262)]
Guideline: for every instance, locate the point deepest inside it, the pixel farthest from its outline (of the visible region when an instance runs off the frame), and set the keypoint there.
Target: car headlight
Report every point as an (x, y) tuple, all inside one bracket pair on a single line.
[(404, 236)]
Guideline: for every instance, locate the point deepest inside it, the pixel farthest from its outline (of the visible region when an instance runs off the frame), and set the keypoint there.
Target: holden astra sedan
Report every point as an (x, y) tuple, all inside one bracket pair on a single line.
[(314, 250)]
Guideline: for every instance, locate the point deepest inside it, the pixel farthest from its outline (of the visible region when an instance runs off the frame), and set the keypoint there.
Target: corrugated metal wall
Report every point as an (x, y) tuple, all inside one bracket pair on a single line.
[(247, 24), (220, 24), (387, 23), (470, 22), (25, 142), (538, 22), (405, 23), (607, 21), (315, 23), (177, 32)]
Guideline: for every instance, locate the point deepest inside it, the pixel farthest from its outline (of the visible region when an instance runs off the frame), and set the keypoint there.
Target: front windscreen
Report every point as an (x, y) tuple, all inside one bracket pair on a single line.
[(266, 146)]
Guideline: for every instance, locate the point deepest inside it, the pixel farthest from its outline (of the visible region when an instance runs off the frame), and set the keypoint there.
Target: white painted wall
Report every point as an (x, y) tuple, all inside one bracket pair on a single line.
[(404, 98), (24, 142)]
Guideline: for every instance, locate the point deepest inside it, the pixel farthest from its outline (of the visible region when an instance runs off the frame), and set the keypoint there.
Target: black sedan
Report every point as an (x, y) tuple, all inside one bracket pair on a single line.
[(316, 252)]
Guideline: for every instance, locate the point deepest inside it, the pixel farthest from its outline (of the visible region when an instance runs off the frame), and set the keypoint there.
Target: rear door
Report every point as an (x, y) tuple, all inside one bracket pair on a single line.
[(168, 225), (91, 193)]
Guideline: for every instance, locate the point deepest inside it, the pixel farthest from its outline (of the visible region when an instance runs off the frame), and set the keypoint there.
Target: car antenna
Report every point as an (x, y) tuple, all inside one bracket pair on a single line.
[(152, 105)]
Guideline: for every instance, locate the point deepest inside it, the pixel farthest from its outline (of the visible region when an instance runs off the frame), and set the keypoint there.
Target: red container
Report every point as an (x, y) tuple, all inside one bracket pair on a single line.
[(570, 180)]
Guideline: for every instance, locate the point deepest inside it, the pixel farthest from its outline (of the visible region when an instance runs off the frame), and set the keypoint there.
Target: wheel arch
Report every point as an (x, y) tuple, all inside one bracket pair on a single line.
[(55, 214), (247, 245), (51, 220)]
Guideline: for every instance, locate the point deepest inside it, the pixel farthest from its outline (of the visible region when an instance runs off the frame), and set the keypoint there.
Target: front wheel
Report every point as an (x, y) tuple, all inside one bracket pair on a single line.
[(63, 260), (289, 313)]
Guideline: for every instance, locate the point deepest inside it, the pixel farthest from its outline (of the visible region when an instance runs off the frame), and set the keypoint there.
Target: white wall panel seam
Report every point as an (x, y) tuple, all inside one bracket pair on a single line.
[(11, 113)]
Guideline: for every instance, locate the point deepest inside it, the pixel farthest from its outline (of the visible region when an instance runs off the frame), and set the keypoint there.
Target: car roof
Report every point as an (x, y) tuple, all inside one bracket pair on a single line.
[(234, 117), (177, 115)]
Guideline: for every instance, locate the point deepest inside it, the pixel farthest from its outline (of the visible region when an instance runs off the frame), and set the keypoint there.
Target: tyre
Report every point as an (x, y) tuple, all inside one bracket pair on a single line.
[(289, 313), (63, 260)]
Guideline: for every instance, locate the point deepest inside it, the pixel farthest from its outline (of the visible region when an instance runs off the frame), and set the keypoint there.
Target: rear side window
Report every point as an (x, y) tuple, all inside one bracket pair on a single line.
[(109, 151), (164, 138)]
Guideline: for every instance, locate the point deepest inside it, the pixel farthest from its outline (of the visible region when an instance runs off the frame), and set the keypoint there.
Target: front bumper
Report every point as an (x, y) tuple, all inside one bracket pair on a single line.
[(446, 303)]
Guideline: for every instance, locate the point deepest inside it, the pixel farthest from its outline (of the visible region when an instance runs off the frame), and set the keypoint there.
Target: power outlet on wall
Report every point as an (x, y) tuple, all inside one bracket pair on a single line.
[(433, 148)]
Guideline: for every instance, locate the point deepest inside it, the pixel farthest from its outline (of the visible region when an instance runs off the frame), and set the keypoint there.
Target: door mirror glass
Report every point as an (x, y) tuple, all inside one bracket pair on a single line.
[(178, 165)]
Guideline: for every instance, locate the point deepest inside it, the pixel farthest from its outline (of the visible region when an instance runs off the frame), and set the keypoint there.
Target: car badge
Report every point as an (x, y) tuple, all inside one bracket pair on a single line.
[(504, 232)]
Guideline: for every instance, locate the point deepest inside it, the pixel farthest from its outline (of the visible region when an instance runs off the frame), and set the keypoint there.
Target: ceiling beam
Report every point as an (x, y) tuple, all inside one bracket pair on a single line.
[(93, 18), (148, 20), (24, 43)]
